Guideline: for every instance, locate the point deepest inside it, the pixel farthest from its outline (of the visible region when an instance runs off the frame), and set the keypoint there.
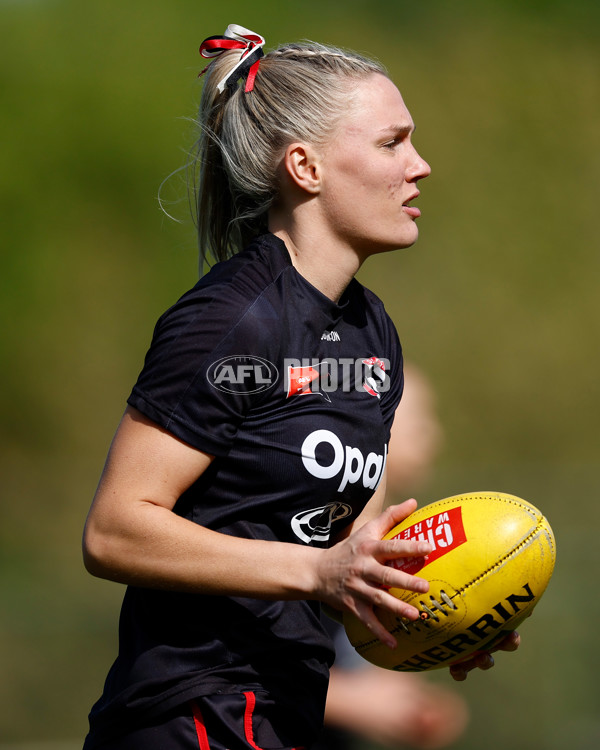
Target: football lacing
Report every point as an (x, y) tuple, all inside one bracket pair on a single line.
[(429, 611)]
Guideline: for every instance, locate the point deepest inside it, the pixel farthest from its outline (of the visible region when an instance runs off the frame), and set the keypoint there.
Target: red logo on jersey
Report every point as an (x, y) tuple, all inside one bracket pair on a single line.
[(374, 375), (444, 531), (304, 380)]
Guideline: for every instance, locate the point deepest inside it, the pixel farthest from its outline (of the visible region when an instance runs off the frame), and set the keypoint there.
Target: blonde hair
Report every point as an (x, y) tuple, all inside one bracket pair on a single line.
[(299, 93)]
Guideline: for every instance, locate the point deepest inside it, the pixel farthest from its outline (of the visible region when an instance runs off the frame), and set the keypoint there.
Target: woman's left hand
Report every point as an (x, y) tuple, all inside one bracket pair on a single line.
[(484, 659)]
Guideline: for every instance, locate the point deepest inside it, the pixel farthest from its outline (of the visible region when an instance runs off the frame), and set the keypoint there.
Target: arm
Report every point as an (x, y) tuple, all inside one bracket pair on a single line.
[(133, 537)]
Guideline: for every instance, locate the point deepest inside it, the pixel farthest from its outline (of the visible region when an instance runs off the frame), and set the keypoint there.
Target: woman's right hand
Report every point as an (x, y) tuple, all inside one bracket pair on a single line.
[(353, 575)]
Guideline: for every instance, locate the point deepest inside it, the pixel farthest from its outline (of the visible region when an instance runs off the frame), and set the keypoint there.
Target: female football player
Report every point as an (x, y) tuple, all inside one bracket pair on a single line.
[(245, 482)]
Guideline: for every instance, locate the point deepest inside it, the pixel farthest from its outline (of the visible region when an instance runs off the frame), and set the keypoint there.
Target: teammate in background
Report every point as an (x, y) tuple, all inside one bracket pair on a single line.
[(233, 504), (395, 709)]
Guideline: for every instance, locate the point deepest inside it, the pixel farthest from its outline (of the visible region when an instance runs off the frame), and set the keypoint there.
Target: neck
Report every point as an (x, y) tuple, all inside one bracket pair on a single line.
[(322, 260), (328, 272)]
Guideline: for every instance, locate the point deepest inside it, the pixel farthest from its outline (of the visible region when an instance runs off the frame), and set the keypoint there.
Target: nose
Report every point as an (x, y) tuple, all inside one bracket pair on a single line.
[(418, 169)]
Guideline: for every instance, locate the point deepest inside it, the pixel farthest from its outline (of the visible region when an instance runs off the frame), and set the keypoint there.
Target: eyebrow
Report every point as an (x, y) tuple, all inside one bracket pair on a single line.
[(398, 129)]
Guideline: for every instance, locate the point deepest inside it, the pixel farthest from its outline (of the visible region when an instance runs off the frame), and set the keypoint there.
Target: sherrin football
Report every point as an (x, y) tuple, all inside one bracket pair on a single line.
[(493, 556)]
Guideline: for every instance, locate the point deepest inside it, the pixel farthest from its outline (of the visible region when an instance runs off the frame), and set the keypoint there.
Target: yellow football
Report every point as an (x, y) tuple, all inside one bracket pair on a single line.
[(493, 556)]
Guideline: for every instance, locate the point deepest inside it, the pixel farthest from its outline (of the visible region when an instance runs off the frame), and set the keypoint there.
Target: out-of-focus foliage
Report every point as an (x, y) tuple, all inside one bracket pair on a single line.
[(497, 302)]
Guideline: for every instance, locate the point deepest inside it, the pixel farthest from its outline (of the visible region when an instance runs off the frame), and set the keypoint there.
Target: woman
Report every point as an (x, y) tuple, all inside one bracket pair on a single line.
[(256, 433)]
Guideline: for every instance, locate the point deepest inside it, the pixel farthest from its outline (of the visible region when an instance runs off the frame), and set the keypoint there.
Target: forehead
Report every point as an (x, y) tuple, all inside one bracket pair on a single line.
[(376, 105)]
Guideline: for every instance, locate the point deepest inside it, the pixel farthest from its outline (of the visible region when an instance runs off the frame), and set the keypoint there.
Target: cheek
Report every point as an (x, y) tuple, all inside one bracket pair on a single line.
[(394, 189)]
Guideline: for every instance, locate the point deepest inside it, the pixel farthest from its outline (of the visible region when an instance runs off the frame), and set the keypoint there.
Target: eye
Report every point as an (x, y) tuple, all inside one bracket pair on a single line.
[(401, 134), (391, 145)]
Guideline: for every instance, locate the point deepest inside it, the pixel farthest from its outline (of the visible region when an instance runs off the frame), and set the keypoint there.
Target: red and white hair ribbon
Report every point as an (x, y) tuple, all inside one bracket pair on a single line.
[(236, 37)]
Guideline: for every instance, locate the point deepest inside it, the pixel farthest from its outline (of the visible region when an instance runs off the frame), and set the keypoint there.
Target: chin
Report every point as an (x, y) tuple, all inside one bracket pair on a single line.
[(402, 243), (409, 241), (381, 245)]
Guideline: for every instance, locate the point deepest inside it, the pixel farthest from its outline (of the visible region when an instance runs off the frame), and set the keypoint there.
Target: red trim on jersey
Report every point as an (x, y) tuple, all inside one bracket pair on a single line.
[(200, 728)]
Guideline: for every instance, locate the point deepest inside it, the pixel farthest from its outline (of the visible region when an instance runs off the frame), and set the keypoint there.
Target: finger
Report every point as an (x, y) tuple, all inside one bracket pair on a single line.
[(370, 620), (390, 578), (392, 516), (511, 642), (458, 672), (397, 549), (377, 597), (480, 660), (396, 555), (366, 611), (483, 660)]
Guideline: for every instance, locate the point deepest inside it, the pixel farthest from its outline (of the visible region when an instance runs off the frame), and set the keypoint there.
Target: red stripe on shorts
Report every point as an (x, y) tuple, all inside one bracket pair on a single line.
[(248, 713), (200, 728), (250, 704)]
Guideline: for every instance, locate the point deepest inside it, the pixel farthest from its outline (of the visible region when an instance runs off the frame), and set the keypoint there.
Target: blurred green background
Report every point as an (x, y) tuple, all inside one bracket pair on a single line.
[(498, 303)]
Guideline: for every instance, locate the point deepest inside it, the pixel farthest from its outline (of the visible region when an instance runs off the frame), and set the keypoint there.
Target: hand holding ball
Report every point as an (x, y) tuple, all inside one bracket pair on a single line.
[(493, 556)]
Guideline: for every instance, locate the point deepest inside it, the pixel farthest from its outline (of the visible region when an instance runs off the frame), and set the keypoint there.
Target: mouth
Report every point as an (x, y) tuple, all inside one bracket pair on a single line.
[(412, 211)]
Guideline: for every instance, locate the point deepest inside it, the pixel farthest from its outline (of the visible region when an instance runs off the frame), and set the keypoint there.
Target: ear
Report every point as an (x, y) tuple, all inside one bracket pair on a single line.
[(302, 164)]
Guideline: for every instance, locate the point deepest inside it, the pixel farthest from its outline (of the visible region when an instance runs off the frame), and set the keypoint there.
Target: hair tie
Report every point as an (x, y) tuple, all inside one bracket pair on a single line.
[(236, 37)]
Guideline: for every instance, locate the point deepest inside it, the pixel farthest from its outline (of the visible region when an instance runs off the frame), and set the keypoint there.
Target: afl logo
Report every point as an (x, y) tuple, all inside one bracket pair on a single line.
[(315, 525), (242, 374)]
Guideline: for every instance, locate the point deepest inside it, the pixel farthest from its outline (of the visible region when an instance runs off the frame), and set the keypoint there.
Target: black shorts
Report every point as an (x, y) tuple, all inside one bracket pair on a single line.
[(240, 721)]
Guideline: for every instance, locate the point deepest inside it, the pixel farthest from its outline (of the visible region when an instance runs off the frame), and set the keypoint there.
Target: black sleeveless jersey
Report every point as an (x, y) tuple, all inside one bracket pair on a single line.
[(294, 395)]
